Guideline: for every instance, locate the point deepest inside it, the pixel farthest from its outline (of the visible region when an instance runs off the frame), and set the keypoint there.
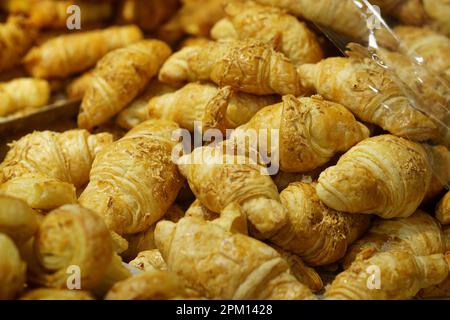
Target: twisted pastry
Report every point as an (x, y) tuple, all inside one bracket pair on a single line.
[(249, 20), (371, 92), (149, 260), (243, 65), (318, 234), (224, 265), (311, 131), (16, 37), (17, 219), (71, 236), (207, 103), (218, 179), (56, 294), (72, 53), (383, 175), (12, 269), (149, 285), (118, 78), (443, 209), (134, 180)]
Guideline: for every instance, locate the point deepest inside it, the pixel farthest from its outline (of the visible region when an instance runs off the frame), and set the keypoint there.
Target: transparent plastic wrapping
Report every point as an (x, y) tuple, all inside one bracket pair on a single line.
[(395, 69)]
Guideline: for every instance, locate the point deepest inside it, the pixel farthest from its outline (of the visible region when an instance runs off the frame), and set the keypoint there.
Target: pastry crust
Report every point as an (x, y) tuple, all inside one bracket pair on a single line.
[(12, 269), (149, 260), (17, 219), (134, 180), (383, 175), (443, 209), (72, 53), (118, 78), (243, 65)]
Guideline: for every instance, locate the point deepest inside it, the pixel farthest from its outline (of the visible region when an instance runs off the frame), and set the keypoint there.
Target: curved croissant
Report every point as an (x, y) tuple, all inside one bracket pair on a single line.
[(224, 265), (70, 236), (16, 36), (149, 285), (443, 209), (118, 78), (249, 66), (249, 20), (56, 294), (23, 93), (384, 175), (219, 179), (370, 92), (311, 131), (12, 269), (134, 180), (73, 53), (318, 234), (206, 102), (401, 276), (17, 219)]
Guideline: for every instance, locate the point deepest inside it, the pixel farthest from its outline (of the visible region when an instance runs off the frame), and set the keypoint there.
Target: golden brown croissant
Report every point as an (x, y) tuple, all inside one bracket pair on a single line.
[(148, 15), (206, 103), (17, 219), (149, 285), (56, 294), (318, 234), (219, 179), (136, 112), (16, 36), (383, 175), (249, 20), (224, 265), (78, 86), (149, 260), (370, 92), (343, 16), (118, 78), (197, 209), (249, 66), (23, 93), (64, 156), (72, 53), (401, 276), (72, 241), (311, 131), (443, 209), (134, 180), (12, 269), (439, 159)]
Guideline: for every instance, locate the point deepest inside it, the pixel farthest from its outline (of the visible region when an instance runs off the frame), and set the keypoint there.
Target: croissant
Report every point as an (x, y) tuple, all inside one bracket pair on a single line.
[(224, 265), (443, 209), (197, 209), (419, 234), (136, 112), (401, 274), (149, 260), (148, 15), (12, 269), (249, 20), (73, 53), (64, 156), (118, 78), (134, 180), (311, 131), (16, 36), (17, 219), (23, 93), (343, 16), (150, 285), (407, 11), (439, 159), (78, 86), (71, 236), (249, 66), (56, 294), (370, 92), (383, 175), (218, 179), (208, 104)]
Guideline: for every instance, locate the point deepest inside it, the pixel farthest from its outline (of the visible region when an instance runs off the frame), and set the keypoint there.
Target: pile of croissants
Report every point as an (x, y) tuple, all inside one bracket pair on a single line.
[(101, 209)]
